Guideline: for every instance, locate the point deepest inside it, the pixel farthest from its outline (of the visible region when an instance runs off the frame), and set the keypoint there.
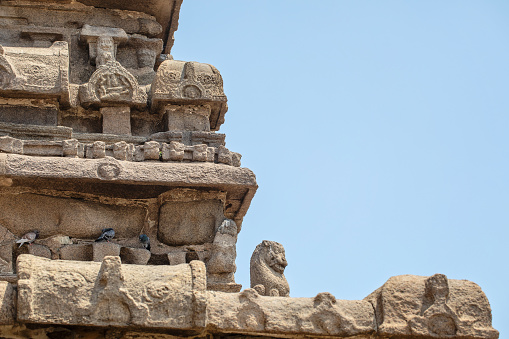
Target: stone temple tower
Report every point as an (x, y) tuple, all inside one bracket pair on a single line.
[(120, 204)]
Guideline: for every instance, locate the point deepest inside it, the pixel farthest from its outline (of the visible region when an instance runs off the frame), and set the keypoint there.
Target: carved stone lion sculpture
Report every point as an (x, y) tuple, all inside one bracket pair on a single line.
[(268, 264)]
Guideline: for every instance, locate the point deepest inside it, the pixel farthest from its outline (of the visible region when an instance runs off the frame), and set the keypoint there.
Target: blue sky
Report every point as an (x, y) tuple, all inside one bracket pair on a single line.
[(378, 132)]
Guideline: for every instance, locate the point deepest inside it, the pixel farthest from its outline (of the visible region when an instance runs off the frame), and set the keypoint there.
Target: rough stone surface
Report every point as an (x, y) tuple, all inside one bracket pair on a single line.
[(193, 222), (268, 263), (39, 250), (433, 307), (23, 213), (101, 250), (137, 256), (116, 120), (7, 303), (7, 240), (79, 252)]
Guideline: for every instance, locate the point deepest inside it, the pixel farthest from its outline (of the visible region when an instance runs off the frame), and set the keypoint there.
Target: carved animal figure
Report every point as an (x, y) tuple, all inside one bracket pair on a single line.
[(106, 235), (145, 241), (28, 238), (268, 264)]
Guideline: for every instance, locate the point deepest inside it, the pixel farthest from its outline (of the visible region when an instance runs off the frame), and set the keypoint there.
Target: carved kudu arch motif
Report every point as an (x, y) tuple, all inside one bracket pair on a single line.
[(112, 83)]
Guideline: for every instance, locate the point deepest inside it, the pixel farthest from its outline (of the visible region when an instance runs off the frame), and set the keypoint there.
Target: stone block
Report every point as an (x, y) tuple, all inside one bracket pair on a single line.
[(105, 249), (200, 152), (158, 259), (211, 154), (70, 148), (137, 256), (151, 150), (187, 117), (224, 156), (42, 147), (236, 159), (39, 250), (98, 149), (120, 150), (187, 223), (55, 243), (116, 120), (20, 114), (78, 252), (11, 145), (7, 303), (174, 151), (177, 258)]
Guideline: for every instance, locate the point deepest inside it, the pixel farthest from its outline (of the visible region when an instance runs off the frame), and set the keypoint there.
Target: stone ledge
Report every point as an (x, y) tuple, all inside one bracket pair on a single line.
[(174, 298), (112, 170)]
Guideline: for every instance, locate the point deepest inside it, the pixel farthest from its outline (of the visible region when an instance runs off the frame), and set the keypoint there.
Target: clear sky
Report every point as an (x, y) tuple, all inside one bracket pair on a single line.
[(378, 132)]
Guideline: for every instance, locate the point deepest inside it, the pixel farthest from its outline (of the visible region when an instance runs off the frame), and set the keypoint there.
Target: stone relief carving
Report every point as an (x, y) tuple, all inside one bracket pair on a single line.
[(438, 317), (111, 83), (109, 293), (184, 83), (268, 263), (432, 307)]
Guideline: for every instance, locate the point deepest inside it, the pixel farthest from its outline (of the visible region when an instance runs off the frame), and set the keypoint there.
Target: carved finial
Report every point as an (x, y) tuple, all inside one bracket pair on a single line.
[(437, 288), (189, 70)]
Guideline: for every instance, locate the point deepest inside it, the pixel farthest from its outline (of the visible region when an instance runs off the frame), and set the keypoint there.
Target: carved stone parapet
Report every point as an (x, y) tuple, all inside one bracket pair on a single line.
[(174, 298), (111, 294), (190, 83)]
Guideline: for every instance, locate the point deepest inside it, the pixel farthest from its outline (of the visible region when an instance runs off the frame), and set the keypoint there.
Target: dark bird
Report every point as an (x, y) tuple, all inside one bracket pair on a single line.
[(107, 235), (145, 240), (28, 238)]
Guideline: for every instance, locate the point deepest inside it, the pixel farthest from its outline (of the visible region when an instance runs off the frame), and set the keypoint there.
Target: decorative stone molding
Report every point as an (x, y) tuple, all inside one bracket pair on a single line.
[(149, 151)]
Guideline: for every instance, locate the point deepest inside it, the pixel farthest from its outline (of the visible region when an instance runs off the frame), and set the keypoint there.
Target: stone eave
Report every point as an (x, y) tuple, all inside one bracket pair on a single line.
[(166, 13), (239, 183)]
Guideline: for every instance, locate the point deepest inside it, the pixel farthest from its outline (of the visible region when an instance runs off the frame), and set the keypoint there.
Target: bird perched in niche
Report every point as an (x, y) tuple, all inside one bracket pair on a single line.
[(145, 241), (106, 235), (28, 238)]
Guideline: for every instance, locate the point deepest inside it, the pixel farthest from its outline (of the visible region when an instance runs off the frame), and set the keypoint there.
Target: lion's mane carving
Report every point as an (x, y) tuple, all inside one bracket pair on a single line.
[(268, 263)]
